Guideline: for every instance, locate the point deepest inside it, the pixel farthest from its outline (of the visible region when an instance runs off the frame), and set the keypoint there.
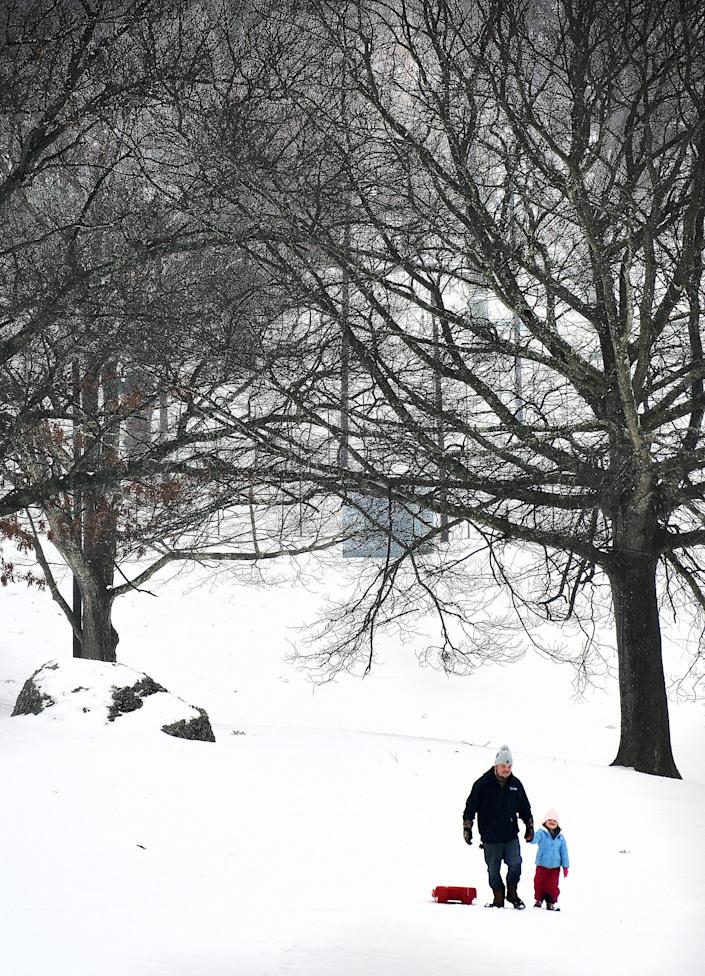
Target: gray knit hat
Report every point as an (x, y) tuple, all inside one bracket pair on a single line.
[(503, 756)]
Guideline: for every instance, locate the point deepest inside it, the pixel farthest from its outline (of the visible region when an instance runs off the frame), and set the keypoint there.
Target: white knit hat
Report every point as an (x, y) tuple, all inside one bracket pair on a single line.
[(503, 756), (551, 814)]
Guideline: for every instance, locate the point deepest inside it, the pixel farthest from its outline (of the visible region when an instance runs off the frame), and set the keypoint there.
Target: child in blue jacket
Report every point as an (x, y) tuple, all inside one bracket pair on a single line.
[(551, 856)]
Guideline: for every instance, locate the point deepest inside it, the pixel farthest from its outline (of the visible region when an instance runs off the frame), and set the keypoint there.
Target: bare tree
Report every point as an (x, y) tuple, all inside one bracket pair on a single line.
[(555, 152), (73, 77), (116, 266), (198, 490)]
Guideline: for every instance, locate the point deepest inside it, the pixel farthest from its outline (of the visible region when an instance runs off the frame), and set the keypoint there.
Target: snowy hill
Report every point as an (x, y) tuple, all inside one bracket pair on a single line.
[(307, 840)]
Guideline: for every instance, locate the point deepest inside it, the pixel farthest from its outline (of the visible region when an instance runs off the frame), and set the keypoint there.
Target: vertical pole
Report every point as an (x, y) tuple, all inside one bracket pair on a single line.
[(440, 433), (343, 452), (163, 415), (516, 329), (77, 604), (345, 365)]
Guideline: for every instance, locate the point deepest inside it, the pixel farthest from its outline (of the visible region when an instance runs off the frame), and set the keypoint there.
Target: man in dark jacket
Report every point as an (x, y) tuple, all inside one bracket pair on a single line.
[(497, 798)]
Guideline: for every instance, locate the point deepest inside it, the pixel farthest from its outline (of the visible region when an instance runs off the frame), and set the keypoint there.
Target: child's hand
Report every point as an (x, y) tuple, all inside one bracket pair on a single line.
[(565, 872)]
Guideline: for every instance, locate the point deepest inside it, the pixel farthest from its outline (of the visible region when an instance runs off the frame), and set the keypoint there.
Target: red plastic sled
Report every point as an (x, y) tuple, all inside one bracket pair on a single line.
[(465, 896)]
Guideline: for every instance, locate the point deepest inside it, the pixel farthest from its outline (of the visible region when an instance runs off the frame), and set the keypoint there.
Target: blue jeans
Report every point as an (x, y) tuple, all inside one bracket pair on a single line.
[(510, 853)]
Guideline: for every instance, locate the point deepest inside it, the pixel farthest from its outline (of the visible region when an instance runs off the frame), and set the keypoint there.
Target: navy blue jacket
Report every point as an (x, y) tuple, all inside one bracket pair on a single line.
[(497, 807)]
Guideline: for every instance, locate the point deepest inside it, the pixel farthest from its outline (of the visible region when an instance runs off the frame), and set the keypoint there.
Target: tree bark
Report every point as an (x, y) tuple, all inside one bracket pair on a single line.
[(99, 529), (77, 607), (645, 738), (100, 639)]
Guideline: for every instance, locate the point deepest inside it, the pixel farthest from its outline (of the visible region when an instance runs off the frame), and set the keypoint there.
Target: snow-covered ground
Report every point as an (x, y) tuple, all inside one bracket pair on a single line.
[(307, 840)]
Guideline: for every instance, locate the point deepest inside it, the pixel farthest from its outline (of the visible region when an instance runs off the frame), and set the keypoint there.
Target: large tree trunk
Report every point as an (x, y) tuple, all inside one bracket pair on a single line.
[(99, 539), (100, 639), (645, 740)]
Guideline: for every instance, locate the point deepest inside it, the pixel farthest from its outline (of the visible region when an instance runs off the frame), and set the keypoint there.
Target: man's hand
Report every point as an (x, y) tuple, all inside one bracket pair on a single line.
[(565, 872), (467, 831), (529, 834)]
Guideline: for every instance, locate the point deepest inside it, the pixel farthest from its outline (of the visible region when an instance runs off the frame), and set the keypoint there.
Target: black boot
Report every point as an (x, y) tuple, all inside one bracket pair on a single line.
[(513, 897), (498, 898)]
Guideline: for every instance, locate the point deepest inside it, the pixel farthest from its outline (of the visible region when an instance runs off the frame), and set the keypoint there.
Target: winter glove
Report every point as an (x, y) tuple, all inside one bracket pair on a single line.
[(467, 831), (529, 834), (565, 872)]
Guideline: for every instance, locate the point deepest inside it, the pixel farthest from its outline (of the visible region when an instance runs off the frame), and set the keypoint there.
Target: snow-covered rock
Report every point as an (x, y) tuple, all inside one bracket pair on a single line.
[(101, 693)]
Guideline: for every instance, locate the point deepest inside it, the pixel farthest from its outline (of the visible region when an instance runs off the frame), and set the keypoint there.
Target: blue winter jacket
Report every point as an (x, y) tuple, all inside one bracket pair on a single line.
[(553, 851)]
